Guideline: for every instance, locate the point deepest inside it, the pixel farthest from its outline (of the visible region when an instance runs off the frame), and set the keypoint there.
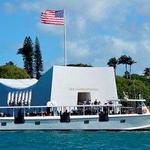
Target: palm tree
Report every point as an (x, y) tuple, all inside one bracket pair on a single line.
[(113, 63), (130, 63), (124, 60)]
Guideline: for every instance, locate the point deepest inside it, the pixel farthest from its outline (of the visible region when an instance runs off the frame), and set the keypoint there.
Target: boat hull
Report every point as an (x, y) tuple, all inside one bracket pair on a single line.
[(126, 122)]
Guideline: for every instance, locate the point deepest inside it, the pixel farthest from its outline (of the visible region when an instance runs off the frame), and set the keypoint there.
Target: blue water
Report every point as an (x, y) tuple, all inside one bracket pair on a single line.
[(69, 140)]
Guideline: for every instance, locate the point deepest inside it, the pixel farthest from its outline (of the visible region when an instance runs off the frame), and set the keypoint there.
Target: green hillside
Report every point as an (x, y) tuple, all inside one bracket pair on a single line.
[(138, 85), (12, 72)]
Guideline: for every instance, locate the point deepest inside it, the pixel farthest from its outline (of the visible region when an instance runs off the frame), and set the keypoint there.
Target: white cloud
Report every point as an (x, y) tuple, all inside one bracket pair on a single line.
[(78, 49), (81, 24), (32, 6), (146, 45), (50, 29), (95, 9), (79, 13), (145, 31), (100, 10), (144, 7), (58, 61), (98, 61), (121, 45), (9, 7)]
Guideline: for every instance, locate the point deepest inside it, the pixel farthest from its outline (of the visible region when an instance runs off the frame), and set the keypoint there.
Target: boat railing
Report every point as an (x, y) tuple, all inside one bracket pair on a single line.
[(131, 110), (10, 111)]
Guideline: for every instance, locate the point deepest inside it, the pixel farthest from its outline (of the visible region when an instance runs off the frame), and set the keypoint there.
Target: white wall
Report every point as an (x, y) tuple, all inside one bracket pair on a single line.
[(68, 81)]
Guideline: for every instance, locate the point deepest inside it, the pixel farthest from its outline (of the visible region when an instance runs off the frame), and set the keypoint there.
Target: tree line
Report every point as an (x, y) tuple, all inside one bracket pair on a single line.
[(32, 57), (127, 61)]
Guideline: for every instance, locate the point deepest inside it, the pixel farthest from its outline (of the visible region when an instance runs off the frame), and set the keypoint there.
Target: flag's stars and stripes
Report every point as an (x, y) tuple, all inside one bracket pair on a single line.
[(55, 17)]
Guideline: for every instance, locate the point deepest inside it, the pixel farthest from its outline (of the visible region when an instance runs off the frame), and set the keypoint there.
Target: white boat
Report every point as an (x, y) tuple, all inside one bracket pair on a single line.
[(74, 98), (111, 116)]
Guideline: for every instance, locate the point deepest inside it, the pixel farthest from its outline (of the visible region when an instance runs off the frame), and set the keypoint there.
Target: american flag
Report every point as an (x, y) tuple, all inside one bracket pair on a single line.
[(53, 17)]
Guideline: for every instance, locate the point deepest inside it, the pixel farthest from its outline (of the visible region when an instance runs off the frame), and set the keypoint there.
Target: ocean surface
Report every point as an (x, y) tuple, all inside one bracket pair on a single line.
[(72, 140)]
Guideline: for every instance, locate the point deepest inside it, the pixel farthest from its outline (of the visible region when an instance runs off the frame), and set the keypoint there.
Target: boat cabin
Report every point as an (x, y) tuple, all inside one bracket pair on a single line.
[(130, 106)]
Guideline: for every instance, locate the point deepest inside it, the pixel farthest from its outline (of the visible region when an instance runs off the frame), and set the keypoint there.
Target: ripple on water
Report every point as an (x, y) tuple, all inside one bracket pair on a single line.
[(71, 140)]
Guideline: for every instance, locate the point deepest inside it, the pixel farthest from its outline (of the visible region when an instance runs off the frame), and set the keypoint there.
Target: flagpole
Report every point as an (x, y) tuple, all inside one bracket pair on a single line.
[(65, 50)]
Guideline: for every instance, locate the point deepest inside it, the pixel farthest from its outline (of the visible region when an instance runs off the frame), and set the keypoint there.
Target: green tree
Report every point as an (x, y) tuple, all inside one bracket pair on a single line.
[(140, 85), (10, 63), (124, 60), (13, 72), (147, 72), (112, 62), (130, 63), (38, 63), (79, 65), (27, 53)]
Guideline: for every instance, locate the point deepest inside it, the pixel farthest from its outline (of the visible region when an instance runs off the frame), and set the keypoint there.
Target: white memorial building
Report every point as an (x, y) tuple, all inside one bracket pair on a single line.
[(61, 85)]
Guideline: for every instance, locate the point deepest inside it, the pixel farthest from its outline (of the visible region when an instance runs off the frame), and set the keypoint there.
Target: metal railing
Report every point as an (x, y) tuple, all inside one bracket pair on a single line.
[(12, 111)]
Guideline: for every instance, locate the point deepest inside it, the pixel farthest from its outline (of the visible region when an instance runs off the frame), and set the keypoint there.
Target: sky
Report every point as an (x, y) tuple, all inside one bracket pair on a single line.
[(96, 30)]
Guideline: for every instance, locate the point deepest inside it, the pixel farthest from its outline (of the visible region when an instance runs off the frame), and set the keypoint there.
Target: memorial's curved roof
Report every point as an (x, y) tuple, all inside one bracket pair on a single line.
[(18, 83)]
